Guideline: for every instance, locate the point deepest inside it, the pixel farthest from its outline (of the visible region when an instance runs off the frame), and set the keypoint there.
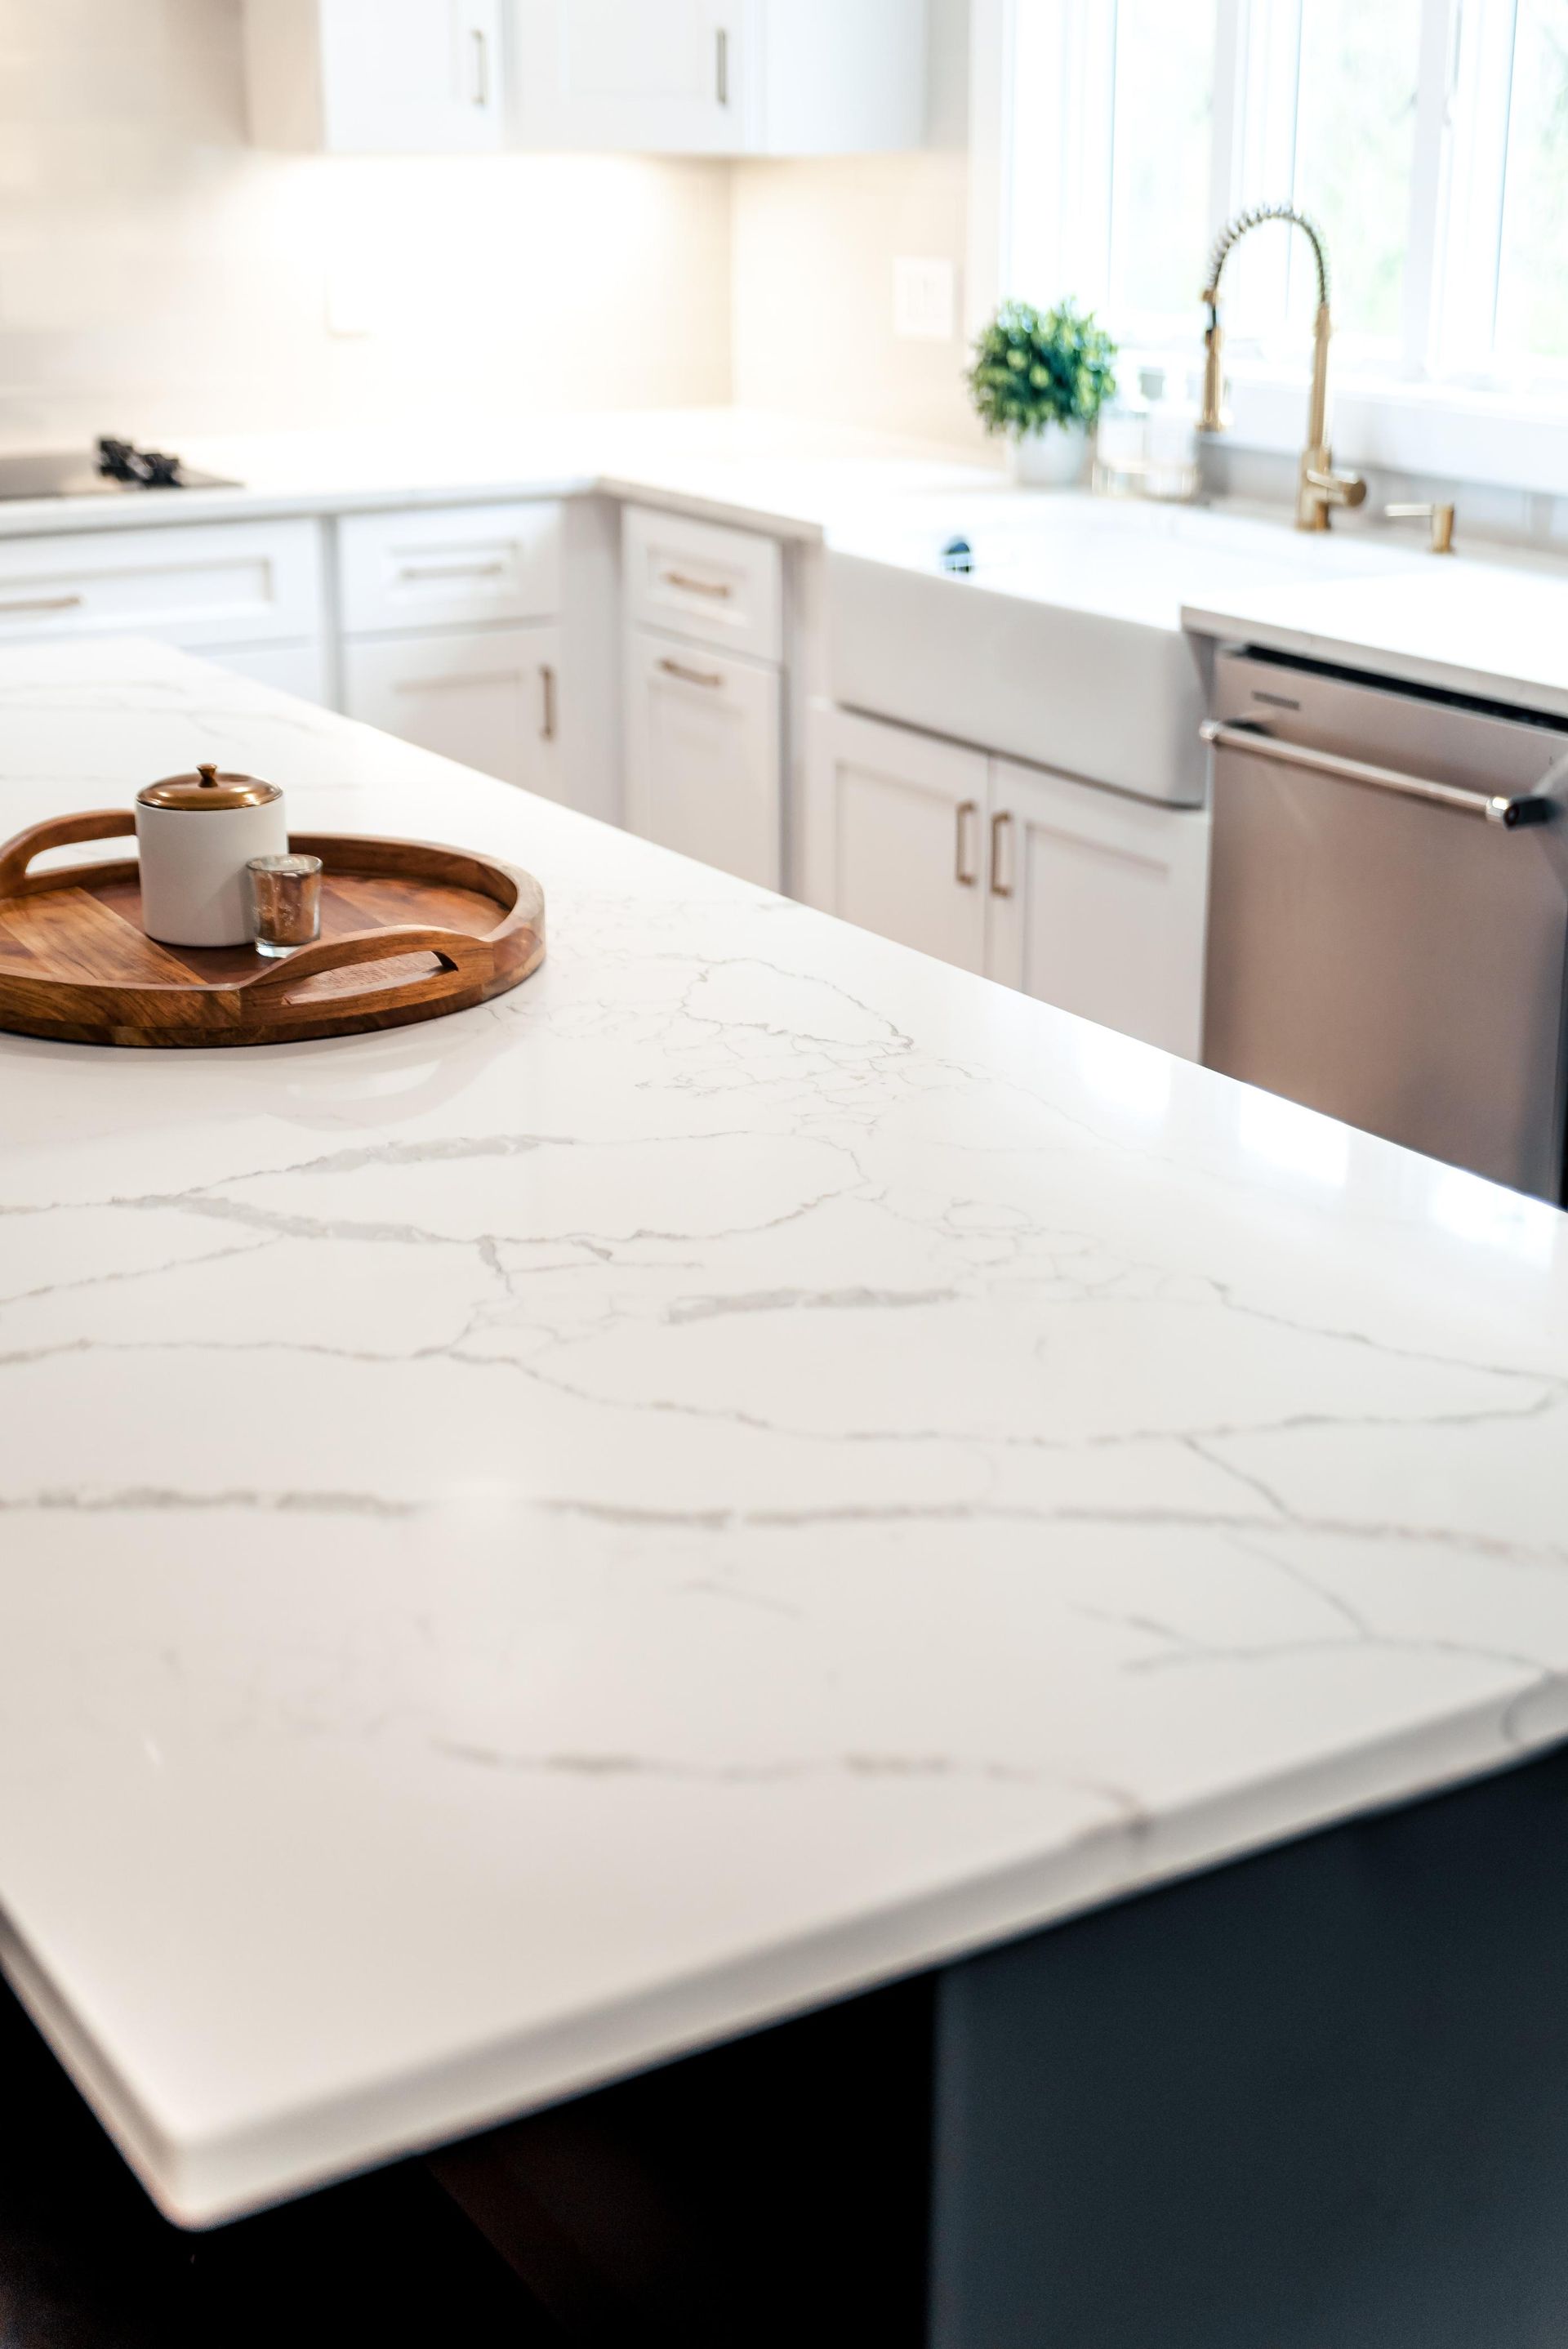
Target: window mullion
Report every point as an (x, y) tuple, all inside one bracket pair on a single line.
[(1430, 178), (1466, 291), (1269, 82), (1091, 74), (1229, 111)]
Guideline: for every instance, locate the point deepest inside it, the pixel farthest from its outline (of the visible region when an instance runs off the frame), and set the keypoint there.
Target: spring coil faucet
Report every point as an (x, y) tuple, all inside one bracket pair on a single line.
[(1319, 489)]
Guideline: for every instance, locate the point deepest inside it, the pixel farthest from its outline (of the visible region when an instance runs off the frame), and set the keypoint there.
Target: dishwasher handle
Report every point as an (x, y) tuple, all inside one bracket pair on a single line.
[(1257, 742)]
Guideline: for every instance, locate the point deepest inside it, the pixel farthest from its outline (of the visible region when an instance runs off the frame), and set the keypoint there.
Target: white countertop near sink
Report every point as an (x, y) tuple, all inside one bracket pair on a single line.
[(1491, 628), (1120, 558), (753, 1464)]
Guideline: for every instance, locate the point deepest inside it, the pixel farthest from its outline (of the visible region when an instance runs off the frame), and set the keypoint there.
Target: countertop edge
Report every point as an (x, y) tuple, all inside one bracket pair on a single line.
[(199, 2185)]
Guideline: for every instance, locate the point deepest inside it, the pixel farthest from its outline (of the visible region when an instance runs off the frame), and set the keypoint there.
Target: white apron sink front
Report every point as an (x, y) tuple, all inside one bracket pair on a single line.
[(1064, 643)]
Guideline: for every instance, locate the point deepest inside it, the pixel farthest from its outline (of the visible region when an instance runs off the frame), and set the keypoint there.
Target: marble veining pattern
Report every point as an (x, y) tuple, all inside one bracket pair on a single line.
[(751, 1464)]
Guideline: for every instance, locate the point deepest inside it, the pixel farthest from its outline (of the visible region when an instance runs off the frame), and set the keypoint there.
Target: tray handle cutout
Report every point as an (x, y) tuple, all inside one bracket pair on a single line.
[(470, 957), (60, 831)]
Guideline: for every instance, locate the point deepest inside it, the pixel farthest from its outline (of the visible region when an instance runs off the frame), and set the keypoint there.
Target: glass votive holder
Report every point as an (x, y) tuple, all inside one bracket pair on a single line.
[(285, 902)]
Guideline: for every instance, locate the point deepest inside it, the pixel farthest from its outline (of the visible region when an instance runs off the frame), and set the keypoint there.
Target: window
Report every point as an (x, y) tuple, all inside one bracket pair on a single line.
[(1429, 137)]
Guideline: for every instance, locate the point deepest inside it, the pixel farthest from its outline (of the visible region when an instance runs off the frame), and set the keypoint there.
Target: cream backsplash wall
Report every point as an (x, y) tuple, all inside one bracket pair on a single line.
[(159, 276), (813, 245)]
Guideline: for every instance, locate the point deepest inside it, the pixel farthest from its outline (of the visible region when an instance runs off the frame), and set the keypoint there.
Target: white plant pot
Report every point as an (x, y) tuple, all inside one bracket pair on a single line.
[(1056, 459)]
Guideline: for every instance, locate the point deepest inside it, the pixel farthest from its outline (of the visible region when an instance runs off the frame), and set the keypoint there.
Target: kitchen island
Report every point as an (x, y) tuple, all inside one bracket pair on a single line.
[(754, 1467)]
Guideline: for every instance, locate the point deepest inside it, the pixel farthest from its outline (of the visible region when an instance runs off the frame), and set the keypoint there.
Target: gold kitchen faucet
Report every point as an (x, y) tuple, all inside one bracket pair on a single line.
[(1319, 489)]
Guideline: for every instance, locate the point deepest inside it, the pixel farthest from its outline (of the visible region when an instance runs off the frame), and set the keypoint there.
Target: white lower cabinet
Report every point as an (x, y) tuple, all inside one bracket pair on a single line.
[(489, 698), (905, 818), (199, 586), (1091, 900), (702, 755), (1097, 903)]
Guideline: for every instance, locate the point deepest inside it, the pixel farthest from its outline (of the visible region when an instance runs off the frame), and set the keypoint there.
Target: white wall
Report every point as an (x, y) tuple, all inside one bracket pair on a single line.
[(813, 245), (159, 276)]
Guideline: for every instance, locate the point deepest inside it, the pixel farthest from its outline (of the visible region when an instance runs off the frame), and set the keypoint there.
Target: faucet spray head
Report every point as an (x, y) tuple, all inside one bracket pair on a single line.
[(1213, 416)]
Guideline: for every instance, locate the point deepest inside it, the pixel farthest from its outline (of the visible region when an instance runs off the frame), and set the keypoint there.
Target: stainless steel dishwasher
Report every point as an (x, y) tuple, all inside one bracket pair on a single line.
[(1388, 911)]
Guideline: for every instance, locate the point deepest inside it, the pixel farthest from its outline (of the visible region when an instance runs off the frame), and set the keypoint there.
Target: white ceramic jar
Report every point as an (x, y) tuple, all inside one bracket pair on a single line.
[(196, 834)]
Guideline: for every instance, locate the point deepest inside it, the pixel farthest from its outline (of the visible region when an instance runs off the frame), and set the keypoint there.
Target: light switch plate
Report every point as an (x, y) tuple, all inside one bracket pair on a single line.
[(924, 300)]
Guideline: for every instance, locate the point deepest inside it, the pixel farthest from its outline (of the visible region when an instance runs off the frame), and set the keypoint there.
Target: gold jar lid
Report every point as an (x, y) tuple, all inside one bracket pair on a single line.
[(207, 789)]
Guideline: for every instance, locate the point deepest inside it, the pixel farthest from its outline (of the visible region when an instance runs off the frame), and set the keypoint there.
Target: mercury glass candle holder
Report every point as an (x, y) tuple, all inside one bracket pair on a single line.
[(285, 902)]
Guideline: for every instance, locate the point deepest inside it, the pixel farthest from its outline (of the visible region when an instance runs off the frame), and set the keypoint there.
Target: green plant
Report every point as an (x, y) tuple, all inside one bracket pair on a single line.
[(1036, 367)]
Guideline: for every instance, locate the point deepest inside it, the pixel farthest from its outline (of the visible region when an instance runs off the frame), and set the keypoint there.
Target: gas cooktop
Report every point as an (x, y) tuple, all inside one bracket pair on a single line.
[(113, 467)]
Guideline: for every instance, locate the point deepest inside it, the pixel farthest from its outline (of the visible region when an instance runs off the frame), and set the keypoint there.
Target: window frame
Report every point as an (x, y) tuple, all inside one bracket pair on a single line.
[(1426, 408)]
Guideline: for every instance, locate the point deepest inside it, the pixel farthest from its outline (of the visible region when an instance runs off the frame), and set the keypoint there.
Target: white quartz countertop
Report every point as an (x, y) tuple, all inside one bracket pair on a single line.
[(1491, 628), (780, 473), (1495, 625), (752, 1464)]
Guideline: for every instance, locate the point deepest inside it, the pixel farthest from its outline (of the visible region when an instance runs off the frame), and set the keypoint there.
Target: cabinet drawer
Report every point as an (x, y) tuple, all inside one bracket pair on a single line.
[(449, 567), (199, 586), (489, 698), (695, 579), (703, 755)]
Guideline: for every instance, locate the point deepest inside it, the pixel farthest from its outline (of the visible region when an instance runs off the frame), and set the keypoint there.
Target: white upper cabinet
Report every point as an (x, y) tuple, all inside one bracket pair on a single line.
[(718, 77), (376, 77)]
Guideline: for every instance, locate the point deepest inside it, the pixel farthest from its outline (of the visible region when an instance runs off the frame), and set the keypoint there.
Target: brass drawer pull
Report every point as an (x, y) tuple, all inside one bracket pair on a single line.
[(691, 676), (682, 579), (961, 871), (450, 570), (1002, 820), (44, 604), (547, 682)]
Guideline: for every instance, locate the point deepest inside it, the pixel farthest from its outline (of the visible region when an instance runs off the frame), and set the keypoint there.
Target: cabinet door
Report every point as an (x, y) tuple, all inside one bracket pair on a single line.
[(660, 75), (703, 754), (898, 825), (1097, 903), (374, 77), (488, 697), (410, 77)]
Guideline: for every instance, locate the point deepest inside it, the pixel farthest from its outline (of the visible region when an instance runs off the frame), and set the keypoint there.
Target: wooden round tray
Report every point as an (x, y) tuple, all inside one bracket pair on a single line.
[(408, 931)]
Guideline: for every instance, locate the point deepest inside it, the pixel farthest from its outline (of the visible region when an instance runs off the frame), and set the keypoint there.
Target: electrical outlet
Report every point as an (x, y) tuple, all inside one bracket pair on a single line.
[(924, 300)]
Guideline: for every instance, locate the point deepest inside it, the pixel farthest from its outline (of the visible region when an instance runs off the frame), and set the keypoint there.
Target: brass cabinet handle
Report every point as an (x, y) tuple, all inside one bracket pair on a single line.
[(965, 808), (455, 681), (691, 676), (44, 604), (450, 570), (547, 683), (1002, 820), (696, 587), (481, 68), (721, 65)]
